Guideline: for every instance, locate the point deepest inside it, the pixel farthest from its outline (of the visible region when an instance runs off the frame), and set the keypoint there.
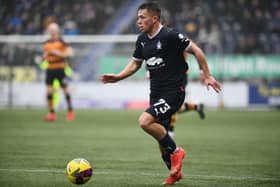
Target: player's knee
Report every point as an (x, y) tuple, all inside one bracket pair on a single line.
[(49, 96), (67, 96), (144, 121), (49, 89)]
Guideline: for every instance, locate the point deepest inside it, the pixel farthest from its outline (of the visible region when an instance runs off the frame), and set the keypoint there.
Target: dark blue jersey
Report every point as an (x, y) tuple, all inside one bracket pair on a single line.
[(163, 55)]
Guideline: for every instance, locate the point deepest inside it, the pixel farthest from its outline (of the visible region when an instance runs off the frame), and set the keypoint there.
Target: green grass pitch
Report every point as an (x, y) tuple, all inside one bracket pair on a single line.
[(228, 148)]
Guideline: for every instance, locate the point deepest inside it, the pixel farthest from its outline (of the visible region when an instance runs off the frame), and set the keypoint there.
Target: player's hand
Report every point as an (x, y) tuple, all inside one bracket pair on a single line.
[(38, 59), (109, 78), (201, 77), (211, 81), (55, 52)]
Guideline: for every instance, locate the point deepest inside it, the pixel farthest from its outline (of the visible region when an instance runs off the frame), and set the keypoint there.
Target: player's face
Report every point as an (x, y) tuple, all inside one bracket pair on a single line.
[(145, 20), (54, 34)]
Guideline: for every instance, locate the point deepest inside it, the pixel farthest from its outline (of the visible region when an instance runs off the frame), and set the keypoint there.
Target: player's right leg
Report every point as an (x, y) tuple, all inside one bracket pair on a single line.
[(50, 76), (155, 121), (51, 116), (158, 131), (148, 123), (171, 179)]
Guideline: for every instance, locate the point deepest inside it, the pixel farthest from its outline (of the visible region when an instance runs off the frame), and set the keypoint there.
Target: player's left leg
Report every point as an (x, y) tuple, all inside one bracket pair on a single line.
[(63, 82), (171, 127), (189, 106), (70, 114)]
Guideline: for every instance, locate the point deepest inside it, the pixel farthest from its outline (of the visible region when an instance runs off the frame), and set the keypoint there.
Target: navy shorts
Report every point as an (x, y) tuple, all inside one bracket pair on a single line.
[(58, 74), (162, 106)]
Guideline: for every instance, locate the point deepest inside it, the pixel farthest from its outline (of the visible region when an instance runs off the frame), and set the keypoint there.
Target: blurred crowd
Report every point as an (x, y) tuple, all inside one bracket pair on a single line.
[(226, 26), (31, 17), (218, 26)]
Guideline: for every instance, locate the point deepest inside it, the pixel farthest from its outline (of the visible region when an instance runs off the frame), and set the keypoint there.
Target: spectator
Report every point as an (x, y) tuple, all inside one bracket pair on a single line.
[(70, 26), (212, 22)]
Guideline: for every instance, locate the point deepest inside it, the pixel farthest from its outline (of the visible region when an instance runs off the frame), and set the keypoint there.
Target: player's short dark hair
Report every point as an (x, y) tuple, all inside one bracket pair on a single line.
[(151, 7)]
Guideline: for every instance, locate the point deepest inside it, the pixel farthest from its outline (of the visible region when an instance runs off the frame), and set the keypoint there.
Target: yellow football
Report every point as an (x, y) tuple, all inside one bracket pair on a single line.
[(79, 171)]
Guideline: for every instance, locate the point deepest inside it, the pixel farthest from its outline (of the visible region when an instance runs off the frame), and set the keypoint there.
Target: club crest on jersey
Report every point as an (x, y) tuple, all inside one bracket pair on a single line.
[(159, 45)]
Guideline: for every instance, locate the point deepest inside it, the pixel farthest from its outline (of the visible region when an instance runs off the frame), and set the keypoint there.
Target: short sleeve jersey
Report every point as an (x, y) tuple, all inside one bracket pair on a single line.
[(55, 62), (163, 55)]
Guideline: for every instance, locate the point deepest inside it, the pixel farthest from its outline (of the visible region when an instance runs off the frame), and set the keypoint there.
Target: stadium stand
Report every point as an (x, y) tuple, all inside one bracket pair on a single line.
[(224, 26), (77, 17), (219, 26)]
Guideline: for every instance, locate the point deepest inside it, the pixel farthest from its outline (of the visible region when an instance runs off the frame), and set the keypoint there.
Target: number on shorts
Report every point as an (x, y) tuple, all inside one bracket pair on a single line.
[(163, 107)]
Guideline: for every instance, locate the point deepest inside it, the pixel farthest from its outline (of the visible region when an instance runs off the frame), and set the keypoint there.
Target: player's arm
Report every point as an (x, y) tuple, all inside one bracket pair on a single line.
[(209, 80), (67, 53), (200, 57), (130, 69)]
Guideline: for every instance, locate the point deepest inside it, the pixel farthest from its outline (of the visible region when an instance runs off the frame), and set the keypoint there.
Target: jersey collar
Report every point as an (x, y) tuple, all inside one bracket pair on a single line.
[(151, 37)]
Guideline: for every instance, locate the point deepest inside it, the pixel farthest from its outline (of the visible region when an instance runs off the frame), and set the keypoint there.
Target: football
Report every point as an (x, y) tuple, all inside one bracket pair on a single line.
[(79, 171)]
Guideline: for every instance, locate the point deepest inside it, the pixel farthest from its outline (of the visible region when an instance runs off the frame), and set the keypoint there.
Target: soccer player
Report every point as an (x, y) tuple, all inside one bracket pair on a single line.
[(55, 53), (162, 50), (56, 85)]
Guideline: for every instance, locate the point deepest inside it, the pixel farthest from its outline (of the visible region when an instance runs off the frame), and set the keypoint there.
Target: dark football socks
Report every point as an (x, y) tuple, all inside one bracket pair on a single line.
[(68, 99), (50, 102), (166, 159), (168, 144)]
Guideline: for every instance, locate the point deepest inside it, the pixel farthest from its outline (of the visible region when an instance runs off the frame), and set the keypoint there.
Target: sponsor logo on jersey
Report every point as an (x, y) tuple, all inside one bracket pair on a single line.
[(154, 63)]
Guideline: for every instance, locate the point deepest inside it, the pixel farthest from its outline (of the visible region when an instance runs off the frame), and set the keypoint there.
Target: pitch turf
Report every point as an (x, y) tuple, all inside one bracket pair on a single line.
[(226, 149)]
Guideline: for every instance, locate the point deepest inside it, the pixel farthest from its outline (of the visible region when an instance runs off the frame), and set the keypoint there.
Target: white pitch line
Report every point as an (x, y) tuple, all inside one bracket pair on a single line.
[(32, 170), (245, 178)]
